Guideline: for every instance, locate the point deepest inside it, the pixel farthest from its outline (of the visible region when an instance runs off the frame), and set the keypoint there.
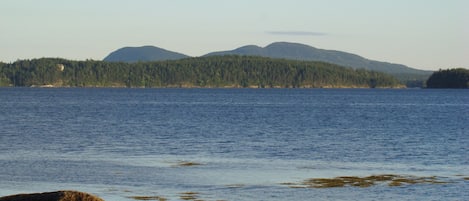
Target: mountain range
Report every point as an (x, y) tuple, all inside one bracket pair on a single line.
[(284, 50), (296, 51)]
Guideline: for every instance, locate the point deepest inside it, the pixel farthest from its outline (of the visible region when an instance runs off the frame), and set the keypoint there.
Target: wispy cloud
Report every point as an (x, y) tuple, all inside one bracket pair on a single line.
[(297, 33)]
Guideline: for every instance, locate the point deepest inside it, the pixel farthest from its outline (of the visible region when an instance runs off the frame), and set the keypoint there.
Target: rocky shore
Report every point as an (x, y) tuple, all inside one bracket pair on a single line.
[(53, 196)]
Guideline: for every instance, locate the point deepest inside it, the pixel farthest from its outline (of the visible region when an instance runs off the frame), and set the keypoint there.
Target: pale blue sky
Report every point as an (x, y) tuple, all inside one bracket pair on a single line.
[(424, 34)]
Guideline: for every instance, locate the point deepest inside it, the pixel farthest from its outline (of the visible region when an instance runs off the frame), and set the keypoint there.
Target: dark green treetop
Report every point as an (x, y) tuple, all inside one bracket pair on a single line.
[(215, 71), (450, 78)]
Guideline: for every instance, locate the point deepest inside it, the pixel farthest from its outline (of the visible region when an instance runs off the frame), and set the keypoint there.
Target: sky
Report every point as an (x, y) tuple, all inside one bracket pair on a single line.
[(423, 34)]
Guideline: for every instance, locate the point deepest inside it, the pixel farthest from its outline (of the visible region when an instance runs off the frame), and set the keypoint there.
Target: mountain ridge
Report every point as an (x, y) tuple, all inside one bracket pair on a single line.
[(284, 50), (298, 51), (142, 54)]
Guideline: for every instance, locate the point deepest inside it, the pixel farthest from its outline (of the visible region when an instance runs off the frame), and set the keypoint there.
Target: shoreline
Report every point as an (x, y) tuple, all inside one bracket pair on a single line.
[(211, 87)]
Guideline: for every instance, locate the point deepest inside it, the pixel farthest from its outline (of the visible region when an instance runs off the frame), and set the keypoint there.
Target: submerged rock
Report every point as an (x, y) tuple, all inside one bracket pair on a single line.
[(53, 196)]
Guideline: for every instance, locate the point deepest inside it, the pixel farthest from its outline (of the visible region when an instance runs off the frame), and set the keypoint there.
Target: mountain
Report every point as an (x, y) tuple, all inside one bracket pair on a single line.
[(284, 50), (145, 53), (296, 51)]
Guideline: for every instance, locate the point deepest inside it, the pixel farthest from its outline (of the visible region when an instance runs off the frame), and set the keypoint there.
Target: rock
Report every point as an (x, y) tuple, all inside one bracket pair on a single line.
[(53, 196)]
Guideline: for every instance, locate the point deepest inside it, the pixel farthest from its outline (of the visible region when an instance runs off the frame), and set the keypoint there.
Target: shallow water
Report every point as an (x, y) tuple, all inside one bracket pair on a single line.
[(119, 143)]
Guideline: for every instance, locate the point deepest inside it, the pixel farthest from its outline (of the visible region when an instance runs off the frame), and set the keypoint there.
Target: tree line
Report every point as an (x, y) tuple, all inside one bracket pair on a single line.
[(450, 78), (215, 71)]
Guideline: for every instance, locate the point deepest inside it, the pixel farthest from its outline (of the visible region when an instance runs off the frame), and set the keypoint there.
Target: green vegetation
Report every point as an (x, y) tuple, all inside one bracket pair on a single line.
[(450, 78), (294, 51), (216, 71)]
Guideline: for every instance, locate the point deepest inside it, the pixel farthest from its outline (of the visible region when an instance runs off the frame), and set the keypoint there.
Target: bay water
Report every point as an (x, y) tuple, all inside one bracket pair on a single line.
[(233, 144)]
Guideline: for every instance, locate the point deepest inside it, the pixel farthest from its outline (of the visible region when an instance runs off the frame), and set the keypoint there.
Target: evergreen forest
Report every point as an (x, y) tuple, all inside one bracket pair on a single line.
[(450, 78), (206, 72)]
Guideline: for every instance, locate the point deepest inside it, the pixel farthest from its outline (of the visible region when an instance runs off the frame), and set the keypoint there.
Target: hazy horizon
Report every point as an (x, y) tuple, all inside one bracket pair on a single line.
[(426, 35)]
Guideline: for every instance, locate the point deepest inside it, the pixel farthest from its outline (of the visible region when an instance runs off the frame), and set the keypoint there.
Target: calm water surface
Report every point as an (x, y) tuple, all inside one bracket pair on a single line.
[(118, 143)]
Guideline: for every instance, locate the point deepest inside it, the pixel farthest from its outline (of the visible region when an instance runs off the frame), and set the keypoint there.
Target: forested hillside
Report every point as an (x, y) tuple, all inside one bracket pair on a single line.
[(215, 71), (450, 78), (296, 51)]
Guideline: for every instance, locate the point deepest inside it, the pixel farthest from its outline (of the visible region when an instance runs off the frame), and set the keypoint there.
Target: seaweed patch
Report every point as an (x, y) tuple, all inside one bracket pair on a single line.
[(158, 198), (189, 196), (186, 164), (363, 182)]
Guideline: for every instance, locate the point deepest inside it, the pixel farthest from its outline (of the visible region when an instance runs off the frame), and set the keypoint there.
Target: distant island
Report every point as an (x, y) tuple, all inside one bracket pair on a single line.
[(450, 78), (206, 72), (282, 50)]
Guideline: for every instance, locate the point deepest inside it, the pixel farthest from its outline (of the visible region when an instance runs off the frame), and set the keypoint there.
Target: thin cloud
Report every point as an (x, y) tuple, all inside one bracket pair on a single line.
[(297, 33)]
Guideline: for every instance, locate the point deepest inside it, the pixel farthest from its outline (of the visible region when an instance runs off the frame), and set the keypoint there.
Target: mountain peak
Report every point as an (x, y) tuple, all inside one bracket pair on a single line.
[(143, 53), (288, 45), (283, 50)]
